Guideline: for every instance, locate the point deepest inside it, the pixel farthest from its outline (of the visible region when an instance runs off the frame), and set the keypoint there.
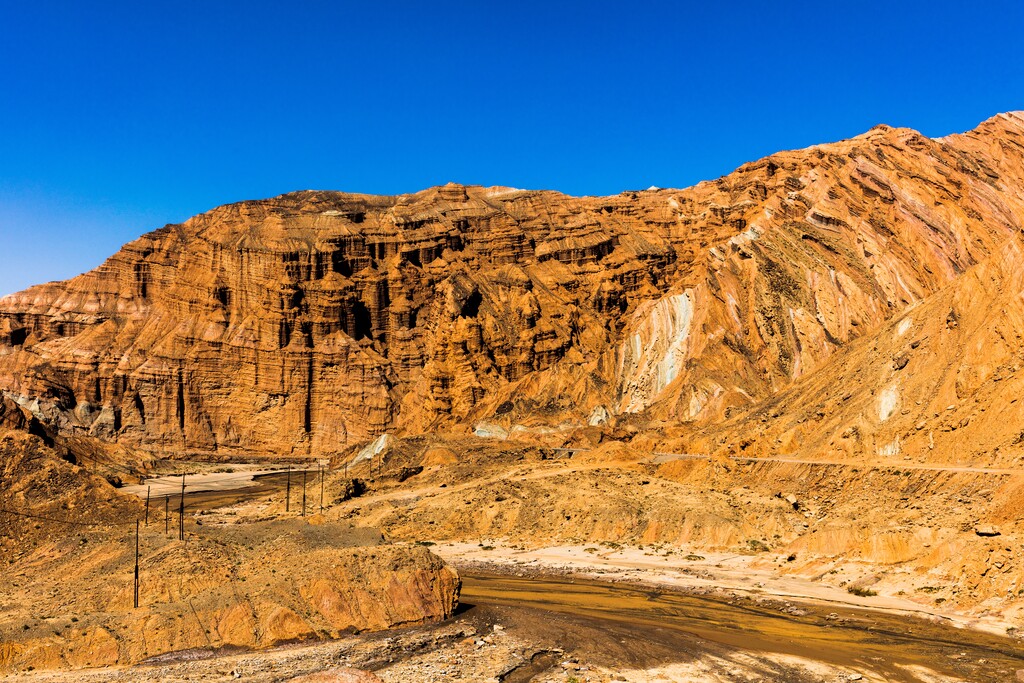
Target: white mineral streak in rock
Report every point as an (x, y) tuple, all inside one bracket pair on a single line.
[(890, 449), (697, 401), (501, 191), (651, 358), (734, 311), (373, 449), (700, 398), (490, 430), (903, 327), (599, 416), (887, 402), (751, 234), (496, 431)]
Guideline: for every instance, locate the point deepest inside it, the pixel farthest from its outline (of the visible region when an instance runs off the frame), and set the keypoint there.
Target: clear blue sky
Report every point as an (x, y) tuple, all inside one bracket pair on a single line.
[(116, 118)]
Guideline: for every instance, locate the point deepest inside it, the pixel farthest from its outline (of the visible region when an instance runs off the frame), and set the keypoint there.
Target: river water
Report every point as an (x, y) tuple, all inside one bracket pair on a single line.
[(647, 627)]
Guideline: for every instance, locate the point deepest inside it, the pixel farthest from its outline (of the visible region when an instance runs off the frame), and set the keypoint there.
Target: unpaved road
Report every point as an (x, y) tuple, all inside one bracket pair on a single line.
[(659, 458), (242, 477)]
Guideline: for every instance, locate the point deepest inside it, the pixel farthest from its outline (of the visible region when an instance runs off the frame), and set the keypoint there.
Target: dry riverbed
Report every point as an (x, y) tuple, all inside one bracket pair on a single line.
[(603, 611)]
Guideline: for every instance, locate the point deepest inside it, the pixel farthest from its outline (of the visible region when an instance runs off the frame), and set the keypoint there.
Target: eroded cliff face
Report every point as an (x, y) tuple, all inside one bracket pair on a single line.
[(299, 324), (940, 382)]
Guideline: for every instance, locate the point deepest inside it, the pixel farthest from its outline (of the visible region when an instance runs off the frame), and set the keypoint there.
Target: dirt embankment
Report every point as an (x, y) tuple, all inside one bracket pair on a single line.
[(69, 589), (949, 541)]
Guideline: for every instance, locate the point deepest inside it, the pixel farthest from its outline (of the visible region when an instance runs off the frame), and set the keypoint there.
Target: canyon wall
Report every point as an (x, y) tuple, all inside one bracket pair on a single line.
[(300, 324)]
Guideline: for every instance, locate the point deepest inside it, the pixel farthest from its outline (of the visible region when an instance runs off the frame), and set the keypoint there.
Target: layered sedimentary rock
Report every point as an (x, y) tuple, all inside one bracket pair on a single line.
[(939, 382), (301, 323), (68, 543)]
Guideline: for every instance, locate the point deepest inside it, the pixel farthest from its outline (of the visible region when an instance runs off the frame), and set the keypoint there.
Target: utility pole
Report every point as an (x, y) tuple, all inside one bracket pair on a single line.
[(167, 514), (304, 492), (181, 511), (288, 491), (136, 564), (321, 465), (147, 504)]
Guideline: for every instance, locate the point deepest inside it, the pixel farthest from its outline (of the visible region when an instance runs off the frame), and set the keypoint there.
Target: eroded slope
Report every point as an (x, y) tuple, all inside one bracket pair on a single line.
[(301, 323)]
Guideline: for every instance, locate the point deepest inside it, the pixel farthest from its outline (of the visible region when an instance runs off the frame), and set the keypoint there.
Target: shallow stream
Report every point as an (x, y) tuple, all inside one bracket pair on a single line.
[(646, 627)]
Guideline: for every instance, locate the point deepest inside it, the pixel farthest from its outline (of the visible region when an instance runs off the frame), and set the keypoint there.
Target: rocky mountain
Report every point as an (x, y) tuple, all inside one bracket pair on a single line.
[(940, 382), (781, 295)]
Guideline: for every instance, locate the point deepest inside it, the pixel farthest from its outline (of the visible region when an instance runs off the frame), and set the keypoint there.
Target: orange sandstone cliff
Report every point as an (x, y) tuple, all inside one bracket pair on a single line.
[(310, 321)]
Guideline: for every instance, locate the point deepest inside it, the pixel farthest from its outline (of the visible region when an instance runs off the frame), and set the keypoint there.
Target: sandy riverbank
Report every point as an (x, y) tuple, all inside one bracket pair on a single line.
[(720, 572)]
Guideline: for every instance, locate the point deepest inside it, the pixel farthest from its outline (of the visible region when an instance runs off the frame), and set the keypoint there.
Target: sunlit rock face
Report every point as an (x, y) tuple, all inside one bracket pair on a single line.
[(231, 585), (940, 383), (302, 323), (655, 352)]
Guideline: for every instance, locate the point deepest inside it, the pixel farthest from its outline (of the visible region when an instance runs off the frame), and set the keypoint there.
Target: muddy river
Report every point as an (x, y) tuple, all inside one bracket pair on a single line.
[(641, 627), (617, 624)]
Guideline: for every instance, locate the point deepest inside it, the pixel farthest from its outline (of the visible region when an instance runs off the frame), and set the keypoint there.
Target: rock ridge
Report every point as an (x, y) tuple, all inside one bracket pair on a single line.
[(300, 324)]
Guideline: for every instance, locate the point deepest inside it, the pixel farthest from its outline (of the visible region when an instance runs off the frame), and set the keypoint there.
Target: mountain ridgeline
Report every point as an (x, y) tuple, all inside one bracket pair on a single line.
[(838, 298)]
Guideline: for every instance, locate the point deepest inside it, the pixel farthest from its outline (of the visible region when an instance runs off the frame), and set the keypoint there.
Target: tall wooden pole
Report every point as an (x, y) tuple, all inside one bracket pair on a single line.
[(136, 564), (147, 504), (167, 514), (181, 511), (288, 491), (303, 492), (321, 487)]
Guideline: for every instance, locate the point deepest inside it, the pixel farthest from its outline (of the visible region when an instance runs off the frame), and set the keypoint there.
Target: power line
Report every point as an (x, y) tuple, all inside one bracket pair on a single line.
[(122, 469), (165, 495), (49, 519)]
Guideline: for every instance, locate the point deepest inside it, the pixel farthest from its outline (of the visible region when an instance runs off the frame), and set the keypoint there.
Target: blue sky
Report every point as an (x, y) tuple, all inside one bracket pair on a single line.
[(116, 118)]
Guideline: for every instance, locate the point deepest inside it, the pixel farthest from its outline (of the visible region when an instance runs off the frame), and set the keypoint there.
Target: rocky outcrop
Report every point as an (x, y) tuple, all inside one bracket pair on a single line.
[(940, 383), (353, 590), (39, 491), (253, 586), (68, 543), (298, 324)]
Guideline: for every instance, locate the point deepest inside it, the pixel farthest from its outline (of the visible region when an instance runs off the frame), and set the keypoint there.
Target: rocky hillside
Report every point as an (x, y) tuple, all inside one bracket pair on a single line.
[(940, 382), (40, 492), (67, 553), (300, 324)]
